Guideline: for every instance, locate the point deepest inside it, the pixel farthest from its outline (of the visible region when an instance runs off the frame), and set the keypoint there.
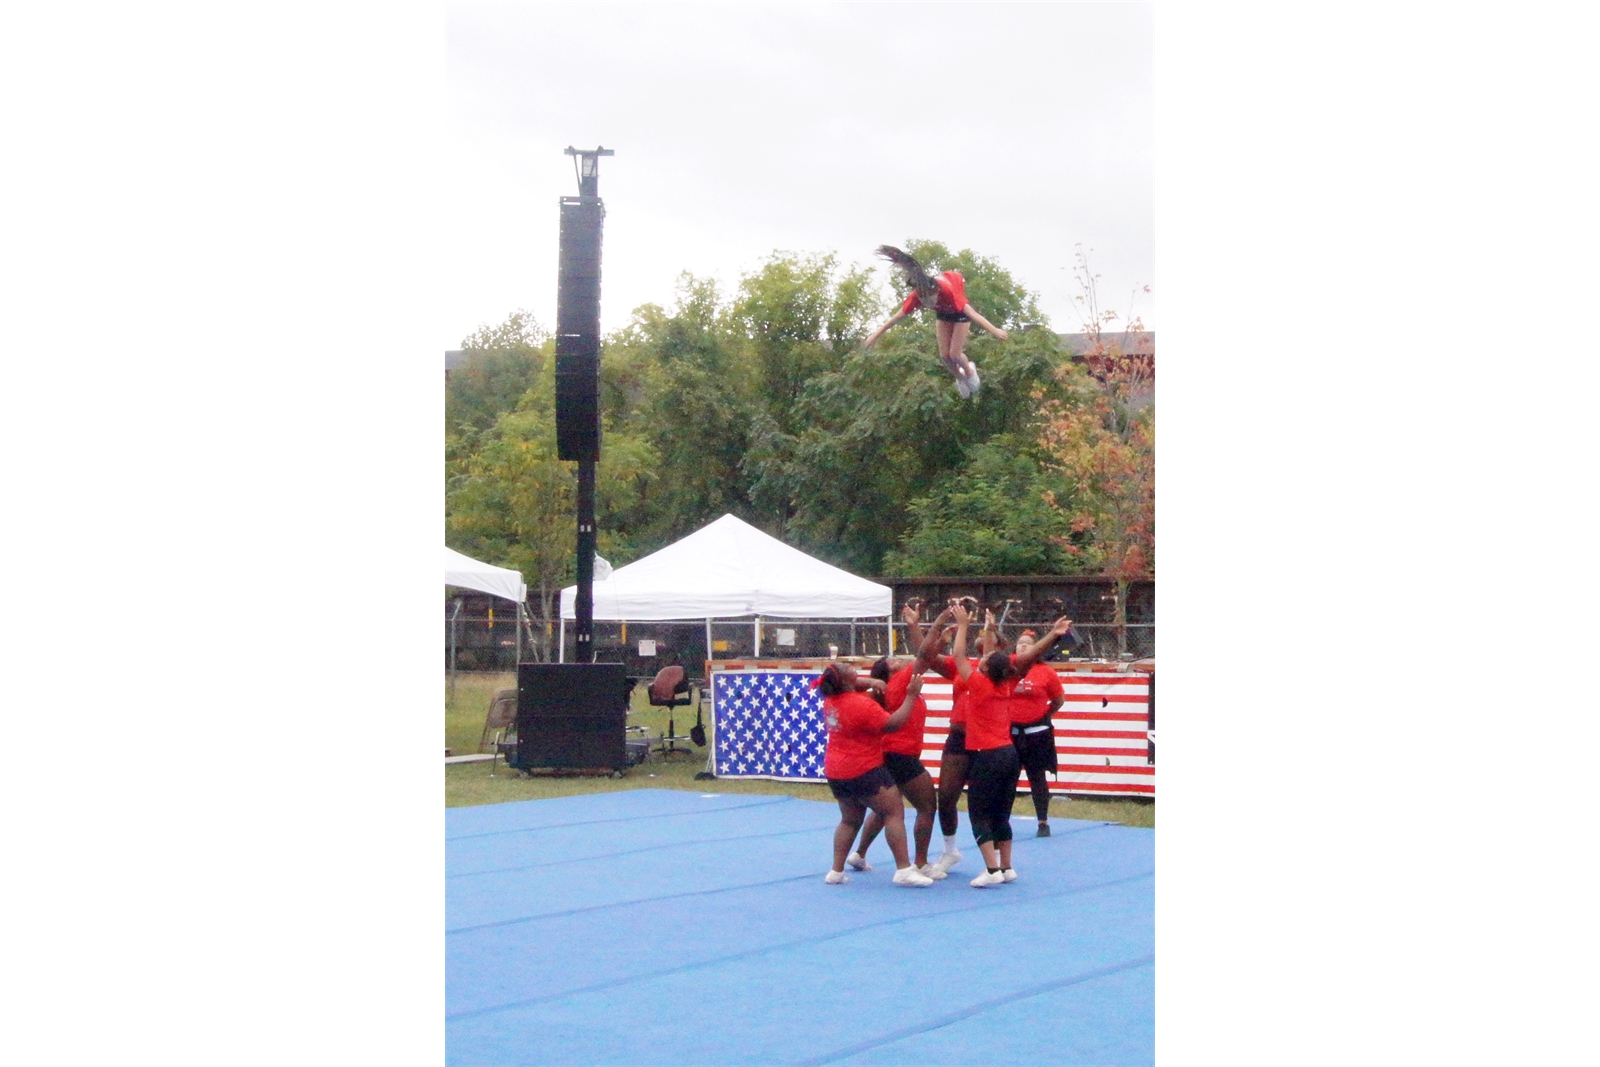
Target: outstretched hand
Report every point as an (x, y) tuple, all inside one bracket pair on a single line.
[(1062, 625)]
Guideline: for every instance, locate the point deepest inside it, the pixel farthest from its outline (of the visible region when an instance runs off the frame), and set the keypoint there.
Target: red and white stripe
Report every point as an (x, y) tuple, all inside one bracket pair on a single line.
[(1100, 732)]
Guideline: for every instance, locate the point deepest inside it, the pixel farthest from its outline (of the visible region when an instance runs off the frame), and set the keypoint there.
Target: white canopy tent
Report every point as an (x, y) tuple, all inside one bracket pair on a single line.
[(467, 573), (730, 569)]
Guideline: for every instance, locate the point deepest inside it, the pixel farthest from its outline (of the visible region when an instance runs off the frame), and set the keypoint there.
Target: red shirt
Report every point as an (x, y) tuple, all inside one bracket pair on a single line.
[(946, 667), (988, 715), (855, 735), (1034, 693), (952, 295), (908, 739)]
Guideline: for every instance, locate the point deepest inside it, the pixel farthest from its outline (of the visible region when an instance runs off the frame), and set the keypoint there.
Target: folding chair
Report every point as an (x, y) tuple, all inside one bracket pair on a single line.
[(502, 722)]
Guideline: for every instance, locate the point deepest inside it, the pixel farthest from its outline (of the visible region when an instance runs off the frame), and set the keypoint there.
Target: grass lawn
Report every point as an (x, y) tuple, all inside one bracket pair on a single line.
[(471, 783)]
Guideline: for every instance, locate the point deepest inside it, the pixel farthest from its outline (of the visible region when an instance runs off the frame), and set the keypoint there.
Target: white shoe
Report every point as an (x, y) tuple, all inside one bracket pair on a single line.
[(1009, 875), (948, 860), (972, 380), (988, 879), (858, 861), (964, 388), (836, 878), (938, 874), (911, 876)]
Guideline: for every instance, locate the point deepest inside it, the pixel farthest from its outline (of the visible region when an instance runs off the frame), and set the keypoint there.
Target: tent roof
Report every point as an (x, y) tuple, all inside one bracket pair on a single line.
[(728, 569), (468, 573)]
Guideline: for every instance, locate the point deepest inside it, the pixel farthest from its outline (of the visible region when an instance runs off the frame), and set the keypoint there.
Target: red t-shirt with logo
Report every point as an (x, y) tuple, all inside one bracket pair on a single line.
[(988, 713), (951, 299), (945, 667), (855, 734), (908, 739), (1034, 692)]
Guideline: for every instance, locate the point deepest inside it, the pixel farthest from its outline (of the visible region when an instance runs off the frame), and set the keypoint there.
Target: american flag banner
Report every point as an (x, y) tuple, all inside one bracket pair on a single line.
[(1101, 732), (767, 723)]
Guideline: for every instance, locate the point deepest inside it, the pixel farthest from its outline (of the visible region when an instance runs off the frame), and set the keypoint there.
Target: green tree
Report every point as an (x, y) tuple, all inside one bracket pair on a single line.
[(499, 364), (992, 516)]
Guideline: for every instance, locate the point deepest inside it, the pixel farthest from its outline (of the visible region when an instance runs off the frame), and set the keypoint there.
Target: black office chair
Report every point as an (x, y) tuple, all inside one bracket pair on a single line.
[(671, 683)]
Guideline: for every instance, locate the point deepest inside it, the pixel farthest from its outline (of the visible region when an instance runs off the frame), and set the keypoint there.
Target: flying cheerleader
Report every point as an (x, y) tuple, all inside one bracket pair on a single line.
[(947, 295)]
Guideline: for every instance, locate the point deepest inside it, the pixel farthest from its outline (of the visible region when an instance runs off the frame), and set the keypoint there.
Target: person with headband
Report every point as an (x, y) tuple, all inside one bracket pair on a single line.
[(853, 765), (993, 773), (1037, 696), (902, 758)]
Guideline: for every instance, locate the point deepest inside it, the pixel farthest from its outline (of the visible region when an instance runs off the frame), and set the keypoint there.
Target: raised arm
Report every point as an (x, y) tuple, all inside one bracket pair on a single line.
[(865, 682), (911, 617), (959, 651), (899, 716), (1035, 653), (972, 313), (932, 641), (881, 330)]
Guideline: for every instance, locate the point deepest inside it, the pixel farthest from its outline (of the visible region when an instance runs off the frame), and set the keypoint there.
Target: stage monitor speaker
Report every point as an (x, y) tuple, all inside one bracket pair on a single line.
[(572, 715)]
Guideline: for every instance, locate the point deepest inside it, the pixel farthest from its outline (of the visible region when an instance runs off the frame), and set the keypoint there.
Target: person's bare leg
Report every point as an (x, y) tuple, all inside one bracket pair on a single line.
[(922, 795), (956, 352), (952, 363), (953, 768), (869, 833), (892, 810), (991, 855), (851, 813), (1005, 854)]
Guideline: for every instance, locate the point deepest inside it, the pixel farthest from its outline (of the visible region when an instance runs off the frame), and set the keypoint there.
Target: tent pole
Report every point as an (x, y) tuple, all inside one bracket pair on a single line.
[(709, 656), (758, 637), (890, 625), (519, 631), (561, 650)]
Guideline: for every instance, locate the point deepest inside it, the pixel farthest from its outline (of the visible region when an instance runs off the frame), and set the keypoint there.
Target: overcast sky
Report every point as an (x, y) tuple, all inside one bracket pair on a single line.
[(1015, 130)]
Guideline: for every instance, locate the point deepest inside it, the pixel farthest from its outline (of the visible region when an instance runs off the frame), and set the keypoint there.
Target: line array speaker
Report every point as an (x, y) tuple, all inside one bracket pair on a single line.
[(578, 329)]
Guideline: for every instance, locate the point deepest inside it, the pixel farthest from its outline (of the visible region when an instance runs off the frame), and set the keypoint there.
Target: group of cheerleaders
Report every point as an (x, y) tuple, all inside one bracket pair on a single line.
[(999, 726)]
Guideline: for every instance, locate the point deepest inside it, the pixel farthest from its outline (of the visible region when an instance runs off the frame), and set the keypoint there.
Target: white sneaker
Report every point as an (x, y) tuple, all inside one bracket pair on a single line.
[(836, 878), (988, 879), (972, 380), (858, 861), (964, 388), (911, 876), (938, 874), (1009, 875), (948, 860)]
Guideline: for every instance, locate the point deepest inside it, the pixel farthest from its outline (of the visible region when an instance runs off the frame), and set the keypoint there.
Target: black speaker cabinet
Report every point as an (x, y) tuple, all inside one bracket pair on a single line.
[(572, 715), (578, 329)]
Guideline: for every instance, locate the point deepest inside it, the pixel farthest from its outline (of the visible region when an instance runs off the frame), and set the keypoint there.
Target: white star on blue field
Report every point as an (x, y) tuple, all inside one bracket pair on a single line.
[(769, 723)]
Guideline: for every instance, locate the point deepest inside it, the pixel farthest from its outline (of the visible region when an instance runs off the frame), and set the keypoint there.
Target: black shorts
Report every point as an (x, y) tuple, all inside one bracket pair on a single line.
[(956, 743), (1037, 751), (902, 768), (861, 788), (951, 316)]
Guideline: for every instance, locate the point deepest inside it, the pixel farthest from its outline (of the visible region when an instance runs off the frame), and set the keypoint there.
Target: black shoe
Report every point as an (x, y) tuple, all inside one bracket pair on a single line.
[(1044, 830)]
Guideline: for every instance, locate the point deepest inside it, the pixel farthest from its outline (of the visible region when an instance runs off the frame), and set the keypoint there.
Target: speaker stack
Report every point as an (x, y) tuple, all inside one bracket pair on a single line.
[(572, 716)]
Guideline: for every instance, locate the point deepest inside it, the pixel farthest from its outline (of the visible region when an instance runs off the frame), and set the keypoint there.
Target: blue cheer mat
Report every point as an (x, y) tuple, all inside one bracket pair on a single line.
[(661, 927)]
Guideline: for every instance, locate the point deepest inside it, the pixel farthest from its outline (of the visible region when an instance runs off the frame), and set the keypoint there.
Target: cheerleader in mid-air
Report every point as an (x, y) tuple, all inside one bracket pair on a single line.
[(947, 295)]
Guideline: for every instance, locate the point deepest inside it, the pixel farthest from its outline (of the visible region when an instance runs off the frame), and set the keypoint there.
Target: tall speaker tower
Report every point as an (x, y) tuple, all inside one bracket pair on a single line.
[(578, 366)]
